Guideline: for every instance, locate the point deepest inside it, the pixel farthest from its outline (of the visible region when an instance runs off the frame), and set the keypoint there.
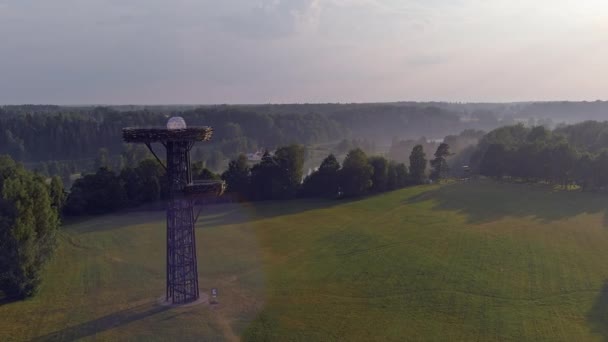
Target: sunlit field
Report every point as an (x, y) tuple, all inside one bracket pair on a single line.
[(468, 261)]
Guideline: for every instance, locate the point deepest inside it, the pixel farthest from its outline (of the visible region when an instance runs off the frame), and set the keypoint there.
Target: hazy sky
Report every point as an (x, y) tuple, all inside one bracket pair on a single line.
[(248, 51)]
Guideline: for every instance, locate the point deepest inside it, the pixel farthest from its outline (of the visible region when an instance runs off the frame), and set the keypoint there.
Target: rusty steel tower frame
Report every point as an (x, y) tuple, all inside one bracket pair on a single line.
[(182, 270)]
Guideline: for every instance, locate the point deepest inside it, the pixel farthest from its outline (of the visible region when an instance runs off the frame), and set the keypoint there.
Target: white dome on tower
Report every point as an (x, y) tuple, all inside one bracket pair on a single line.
[(176, 122)]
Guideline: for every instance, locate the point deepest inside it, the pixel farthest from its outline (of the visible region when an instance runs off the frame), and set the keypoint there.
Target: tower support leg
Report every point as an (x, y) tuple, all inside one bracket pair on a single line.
[(182, 274)]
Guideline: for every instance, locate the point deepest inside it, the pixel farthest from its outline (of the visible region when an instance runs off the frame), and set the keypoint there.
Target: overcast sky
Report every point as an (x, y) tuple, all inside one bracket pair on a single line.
[(256, 51)]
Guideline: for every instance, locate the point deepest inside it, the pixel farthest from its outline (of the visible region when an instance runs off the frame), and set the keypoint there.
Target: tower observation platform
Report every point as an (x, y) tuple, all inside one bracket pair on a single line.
[(178, 140)]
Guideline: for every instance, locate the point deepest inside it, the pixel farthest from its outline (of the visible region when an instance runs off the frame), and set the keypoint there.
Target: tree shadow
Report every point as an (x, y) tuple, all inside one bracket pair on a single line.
[(215, 214), (486, 201), (597, 317), (249, 212), (115, 221), (4, 299), (211, 214), (104, 323)]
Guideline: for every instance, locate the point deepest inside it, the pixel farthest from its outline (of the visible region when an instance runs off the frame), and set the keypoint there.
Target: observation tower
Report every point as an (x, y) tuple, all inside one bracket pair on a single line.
[(178, 140)]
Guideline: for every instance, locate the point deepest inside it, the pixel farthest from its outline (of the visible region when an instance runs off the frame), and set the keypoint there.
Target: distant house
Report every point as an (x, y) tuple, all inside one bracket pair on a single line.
[(255, 156)]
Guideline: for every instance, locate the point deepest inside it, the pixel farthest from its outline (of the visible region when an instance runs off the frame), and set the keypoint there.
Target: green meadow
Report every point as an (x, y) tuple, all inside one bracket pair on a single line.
[(469, 261)]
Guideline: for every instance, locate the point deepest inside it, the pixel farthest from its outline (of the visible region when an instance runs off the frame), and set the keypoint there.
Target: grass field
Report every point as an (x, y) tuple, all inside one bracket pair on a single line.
[(474, 261)]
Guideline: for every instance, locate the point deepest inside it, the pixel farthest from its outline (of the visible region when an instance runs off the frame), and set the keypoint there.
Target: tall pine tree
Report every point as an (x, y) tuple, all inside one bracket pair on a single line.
[(439, 165), (418, 165)]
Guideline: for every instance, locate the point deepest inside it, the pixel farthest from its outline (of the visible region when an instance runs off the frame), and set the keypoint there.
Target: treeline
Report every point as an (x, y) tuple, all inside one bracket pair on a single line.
[(462, 146), (73, 136), (106, 191), (80, 133), (569, 155), (278, 176), (29, 222)]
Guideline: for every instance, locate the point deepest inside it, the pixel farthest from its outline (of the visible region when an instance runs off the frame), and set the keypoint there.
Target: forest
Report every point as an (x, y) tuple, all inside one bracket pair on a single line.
[(60, 140), (574, 155), (43, 137)]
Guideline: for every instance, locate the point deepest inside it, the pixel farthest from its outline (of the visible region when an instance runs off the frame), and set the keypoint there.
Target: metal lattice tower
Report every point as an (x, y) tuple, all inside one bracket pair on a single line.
[(182, 271)]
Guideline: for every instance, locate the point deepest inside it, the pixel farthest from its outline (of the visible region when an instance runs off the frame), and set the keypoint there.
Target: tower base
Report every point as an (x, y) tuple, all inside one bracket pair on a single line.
[(182, 273)]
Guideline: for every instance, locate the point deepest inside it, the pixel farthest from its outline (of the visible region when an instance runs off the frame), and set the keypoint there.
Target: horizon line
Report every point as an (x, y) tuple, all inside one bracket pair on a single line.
[(296, 103)]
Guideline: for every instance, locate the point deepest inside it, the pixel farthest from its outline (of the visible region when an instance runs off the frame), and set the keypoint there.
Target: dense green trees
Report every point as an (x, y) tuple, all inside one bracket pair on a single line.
[(70, 133), (355, 174), (358, 176), (277, 176), (238, 177), (265, 179), (62, 141), (324, 181), (418, 165), (439, 165), (588, 136), (133, 154), (200, 172), (106, 191), (151, 182), (398, 176), (494, 162), (57, 193), (290, 161), (562, 162), (98, 193), (509, 137), (74, 136), (379, 173), (584, 172), (28, 227), (564, 156)]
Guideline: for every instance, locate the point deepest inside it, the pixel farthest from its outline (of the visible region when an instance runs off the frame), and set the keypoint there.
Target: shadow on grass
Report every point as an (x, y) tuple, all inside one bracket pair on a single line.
[(113, 221), (217, 214), (486, 201), (211, 215), (104, 323), (5, 299), (598, 315), (249, 212)]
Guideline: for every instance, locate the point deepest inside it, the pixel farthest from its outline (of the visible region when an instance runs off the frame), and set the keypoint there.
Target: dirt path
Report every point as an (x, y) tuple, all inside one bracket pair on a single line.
[(224, 324)]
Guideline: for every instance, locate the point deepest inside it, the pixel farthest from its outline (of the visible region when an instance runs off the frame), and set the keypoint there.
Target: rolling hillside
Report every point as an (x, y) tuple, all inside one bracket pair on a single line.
[(473, 261)]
